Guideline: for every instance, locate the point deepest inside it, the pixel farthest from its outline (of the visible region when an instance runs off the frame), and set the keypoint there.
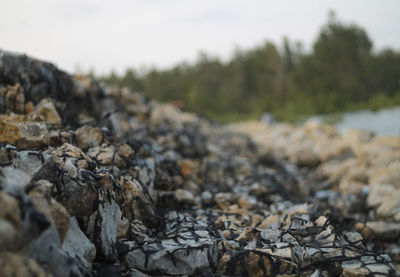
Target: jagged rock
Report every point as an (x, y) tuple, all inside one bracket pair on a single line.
[(22, 131), (102, 230), (138, 203), (77, 246), (47, 251), (175, 258)]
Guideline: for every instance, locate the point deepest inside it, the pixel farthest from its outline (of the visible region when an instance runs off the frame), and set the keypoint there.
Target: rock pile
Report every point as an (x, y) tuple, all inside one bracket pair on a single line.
[(100, 181)]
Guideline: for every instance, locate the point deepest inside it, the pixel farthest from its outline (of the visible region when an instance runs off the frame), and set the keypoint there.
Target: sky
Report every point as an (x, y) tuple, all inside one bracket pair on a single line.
[(79, 35)]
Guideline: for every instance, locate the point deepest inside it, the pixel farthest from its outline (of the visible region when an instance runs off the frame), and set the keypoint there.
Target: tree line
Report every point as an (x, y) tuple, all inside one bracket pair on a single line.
[(342, 72)]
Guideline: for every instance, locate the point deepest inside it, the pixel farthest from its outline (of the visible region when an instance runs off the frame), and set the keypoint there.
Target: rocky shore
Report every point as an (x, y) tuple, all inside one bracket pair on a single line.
[(101, 181)]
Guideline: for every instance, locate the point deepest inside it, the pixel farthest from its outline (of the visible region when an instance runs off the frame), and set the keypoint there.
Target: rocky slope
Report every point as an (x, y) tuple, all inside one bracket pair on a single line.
[(100, 181)]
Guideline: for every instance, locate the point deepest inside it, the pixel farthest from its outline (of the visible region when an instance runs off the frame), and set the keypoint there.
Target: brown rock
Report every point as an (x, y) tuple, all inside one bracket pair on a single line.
[(307, 158), (379, 230), (348, 186), (21, 266), (48, 111), (385, 199), (88, 137), (60, 217), (15, 99), (107, 155), (23, 131), (54, 211), (256, 262), (138, 204), (9, 209)]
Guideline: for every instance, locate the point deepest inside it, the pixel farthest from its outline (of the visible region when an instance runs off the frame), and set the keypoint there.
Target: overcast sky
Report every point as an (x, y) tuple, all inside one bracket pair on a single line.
[(117, 34)]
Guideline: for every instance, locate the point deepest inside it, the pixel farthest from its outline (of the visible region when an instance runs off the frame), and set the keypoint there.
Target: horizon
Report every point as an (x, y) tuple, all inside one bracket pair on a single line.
[(117, 35)]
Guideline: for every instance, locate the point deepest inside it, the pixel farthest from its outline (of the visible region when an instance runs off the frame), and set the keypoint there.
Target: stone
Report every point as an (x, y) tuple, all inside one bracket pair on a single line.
[(253, 263), (47, 251), (12, 99), (389, 174), (48, 112), (23, 131), (88, 137), (30, 161), (380, 230), (107, 156), (20, 222), (184, 196), (138, 203), (102, 230), (60, 218), (174, 258), (355, 268), (12, 179), (12, 264), (307, 158), (77, 246), (385, 199)]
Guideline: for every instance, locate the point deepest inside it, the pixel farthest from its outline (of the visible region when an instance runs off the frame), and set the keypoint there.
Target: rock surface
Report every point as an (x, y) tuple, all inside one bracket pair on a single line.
[(101, 181)]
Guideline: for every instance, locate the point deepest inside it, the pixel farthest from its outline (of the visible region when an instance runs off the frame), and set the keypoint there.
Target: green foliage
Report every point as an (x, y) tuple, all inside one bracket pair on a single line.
[(341, 73)]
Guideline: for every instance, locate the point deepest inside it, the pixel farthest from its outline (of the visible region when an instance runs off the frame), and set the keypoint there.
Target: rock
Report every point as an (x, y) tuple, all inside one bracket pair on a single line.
[(88, 137), (77, 246), (386, 200), (389, 174), (10, 221), (20, 222), (307, 158), (174, 258), (74, 187), (60, 218), (12, 264), (136, 273), (138, 203), (48, 112), (102, 230), (368, 264), (12, 179), (107, 156), (379, 230), (24, 132), (184, 196), (253, 263), (12, 99), (30, 161), (47, 251)]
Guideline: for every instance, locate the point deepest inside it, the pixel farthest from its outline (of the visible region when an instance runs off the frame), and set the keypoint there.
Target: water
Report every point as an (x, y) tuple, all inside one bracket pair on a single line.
[(384, 122)]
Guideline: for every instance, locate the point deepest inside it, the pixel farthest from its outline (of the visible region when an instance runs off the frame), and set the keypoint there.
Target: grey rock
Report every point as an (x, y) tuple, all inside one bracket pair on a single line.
[(102, 230), (13, 179), (46, 251), (175, 258), (77, 246)]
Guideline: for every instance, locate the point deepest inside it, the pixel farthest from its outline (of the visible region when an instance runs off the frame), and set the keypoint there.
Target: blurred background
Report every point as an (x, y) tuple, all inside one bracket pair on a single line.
[(228, 60)]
